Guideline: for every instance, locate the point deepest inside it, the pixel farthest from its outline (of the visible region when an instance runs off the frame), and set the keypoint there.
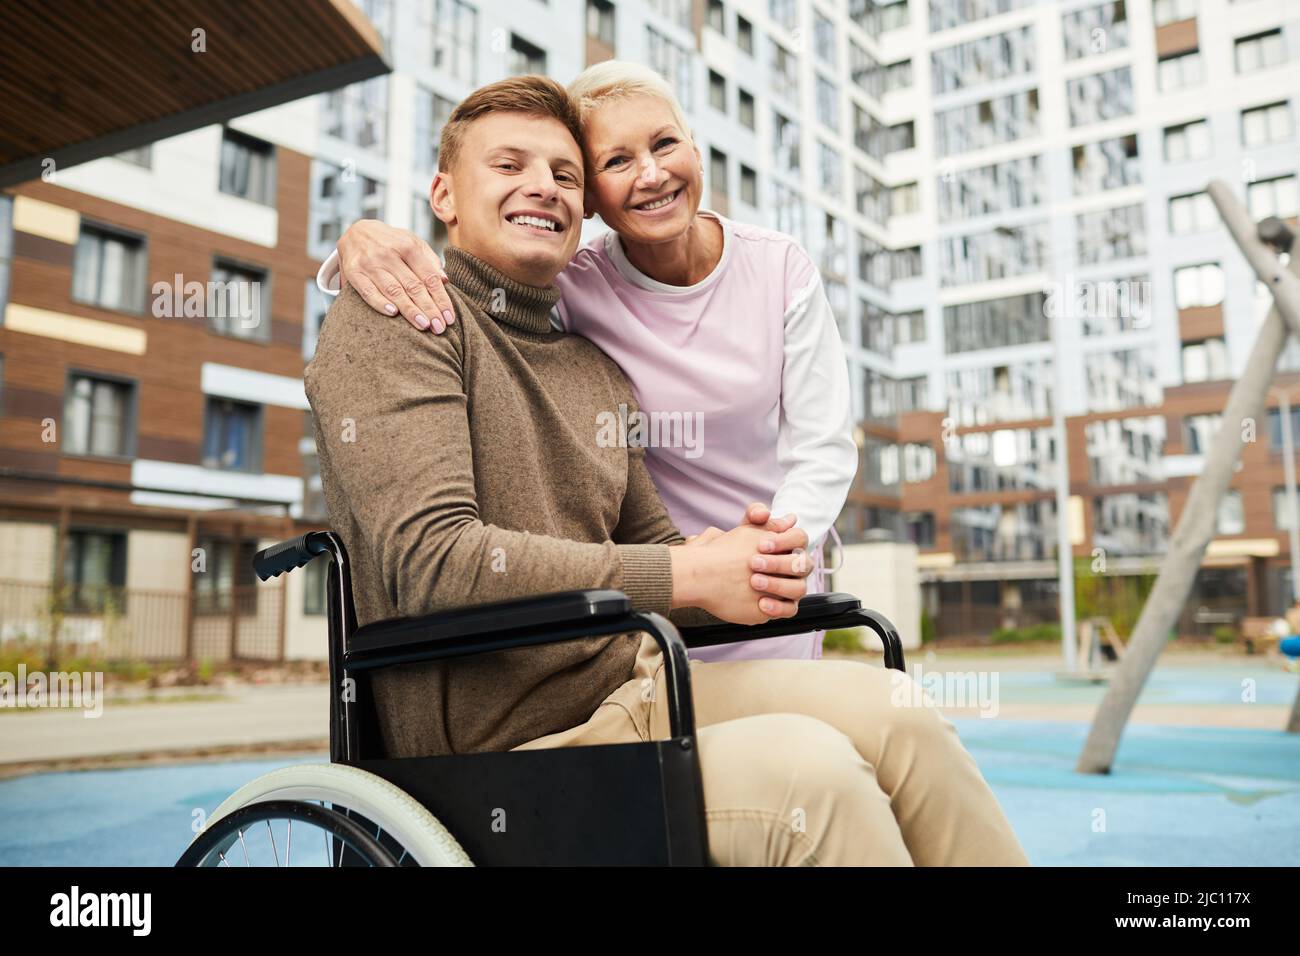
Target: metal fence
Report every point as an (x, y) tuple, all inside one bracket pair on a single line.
[(124, 624)]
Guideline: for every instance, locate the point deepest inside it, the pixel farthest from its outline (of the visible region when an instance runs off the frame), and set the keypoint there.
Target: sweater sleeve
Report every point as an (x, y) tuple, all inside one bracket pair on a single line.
[(391, 411), (815, 446)]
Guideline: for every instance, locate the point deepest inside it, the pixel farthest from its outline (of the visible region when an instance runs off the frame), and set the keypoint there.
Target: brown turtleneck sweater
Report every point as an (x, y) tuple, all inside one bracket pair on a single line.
[(464, 468)]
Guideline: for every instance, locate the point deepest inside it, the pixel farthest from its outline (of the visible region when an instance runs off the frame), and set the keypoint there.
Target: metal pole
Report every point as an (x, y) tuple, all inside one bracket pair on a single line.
[(1064, 550), (1246, 401), (1288, 470)]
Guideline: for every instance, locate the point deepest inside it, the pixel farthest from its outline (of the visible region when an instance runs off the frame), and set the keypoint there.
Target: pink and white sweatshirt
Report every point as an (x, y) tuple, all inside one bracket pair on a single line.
[(741, 379)]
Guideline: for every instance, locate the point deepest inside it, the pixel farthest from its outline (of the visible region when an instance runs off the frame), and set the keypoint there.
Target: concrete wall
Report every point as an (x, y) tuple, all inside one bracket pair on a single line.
[(884, 576), (27, 552)]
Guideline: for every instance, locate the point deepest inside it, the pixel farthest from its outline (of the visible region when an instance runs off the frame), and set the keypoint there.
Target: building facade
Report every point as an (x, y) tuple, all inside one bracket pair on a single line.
[(966, 173)]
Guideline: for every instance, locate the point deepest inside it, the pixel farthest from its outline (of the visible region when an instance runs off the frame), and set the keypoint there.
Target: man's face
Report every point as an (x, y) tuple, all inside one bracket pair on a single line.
[(514, 198)]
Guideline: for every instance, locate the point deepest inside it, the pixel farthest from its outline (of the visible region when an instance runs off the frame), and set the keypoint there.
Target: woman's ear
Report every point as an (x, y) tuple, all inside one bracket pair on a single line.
[(588, 201), (441, 199)]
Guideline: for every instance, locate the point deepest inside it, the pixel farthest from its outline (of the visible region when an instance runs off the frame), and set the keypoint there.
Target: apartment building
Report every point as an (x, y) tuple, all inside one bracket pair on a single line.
[(961, 170)]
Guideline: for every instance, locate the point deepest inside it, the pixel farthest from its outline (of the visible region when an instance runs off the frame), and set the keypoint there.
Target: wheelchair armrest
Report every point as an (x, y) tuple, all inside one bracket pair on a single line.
[(531, 622), (485, 627), (817, 612)]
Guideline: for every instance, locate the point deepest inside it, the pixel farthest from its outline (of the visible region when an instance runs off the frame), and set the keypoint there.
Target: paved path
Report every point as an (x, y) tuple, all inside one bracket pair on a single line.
[(248, 717)]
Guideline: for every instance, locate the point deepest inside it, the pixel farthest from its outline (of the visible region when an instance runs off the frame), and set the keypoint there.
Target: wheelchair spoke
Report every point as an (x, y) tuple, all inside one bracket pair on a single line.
[(274, 852), (247, 862), (288, 850)]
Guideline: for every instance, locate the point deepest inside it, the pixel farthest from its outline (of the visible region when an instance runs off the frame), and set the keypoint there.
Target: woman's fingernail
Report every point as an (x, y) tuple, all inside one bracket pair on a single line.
[(766, 605), (760, 581), (758, 564), (421, 321), (766, 546), (439, 326), (448, 316), (390, 308)]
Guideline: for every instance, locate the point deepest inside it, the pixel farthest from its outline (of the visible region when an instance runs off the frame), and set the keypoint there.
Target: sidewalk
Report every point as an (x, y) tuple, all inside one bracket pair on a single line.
[(241, 720)]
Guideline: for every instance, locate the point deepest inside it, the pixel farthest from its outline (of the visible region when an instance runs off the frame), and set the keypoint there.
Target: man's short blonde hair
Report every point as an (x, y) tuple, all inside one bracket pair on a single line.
[(617, 79), (532, 94)]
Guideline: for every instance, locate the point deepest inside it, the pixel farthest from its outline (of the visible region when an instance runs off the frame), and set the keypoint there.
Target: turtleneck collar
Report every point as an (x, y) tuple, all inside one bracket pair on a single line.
[(523, 307)]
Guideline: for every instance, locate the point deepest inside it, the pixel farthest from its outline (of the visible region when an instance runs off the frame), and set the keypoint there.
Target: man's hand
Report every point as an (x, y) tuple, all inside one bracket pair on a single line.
[(721, 571), (395, 271)]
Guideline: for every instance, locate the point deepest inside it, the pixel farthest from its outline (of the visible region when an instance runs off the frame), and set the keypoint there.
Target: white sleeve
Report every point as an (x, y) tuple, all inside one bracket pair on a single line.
[(327, 277), (815, 446)]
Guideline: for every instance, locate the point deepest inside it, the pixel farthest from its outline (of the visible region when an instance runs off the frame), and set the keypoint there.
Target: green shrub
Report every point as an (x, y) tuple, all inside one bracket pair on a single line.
[(847, 640)]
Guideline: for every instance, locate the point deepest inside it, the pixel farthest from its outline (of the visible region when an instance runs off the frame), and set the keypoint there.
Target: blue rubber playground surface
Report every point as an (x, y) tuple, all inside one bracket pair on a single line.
[(1177, 796)]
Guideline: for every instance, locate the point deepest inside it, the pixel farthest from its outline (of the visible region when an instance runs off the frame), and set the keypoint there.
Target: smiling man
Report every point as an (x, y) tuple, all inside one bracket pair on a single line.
[(467, 468)]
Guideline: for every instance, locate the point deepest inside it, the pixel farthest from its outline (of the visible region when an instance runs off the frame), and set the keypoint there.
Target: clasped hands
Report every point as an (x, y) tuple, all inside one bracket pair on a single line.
[(749, 575)]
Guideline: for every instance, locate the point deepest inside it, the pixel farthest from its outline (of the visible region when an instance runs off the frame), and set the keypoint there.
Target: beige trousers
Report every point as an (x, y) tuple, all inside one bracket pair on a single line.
[(816, 763)]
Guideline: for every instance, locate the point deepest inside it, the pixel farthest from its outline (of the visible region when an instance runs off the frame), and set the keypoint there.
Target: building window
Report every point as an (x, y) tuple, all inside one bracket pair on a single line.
[(1191, 213), (905, 198), (1180, 71), (746, 111), (748, 186), (99, 417), (524, 57), (1172, 11), (1109, 164), (1199, 432), (1015, 320), (985, 60), (996, 253), (824, 39), (94, 567), (431, 114), (454, 39), (902, 136), (832, 171), (358, 114), (600, 21), (1004, 119), (1260, 51), (108, 269), (1199, 285), (828, 103), (232, 436), (140, 156), (228, 572), (785, 139), (718, 174), (1230, 519), (1275, 427), (920, 528), (918, 462), (1095, 30), (6, 248), (238, 303), (1272, 197), (1188, 141), (1205, 361), (315, 590), (1267, 124), (1284, 517), (673, 63), (784, 12), (745, 35), (717, 91), (785, 73), (898, 76), (247, 167), (1100, 97)]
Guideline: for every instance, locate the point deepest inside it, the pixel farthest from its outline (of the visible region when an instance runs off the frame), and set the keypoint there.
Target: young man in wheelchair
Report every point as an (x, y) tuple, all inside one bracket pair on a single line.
[(465, 468)]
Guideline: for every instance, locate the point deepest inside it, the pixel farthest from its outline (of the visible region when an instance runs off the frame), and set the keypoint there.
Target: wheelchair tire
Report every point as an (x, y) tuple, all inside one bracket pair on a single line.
[(401, 816), (210, 847)]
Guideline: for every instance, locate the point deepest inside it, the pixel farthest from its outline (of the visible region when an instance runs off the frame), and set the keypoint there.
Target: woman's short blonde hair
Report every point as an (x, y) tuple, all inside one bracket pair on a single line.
[(616, 79)]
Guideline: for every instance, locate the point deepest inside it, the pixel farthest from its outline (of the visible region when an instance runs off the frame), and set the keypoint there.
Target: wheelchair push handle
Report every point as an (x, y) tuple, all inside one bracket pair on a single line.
[(273, 561)]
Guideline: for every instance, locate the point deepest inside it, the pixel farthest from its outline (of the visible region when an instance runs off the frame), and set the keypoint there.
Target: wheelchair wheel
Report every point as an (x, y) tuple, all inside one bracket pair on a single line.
[(393, 819), (242, 838)]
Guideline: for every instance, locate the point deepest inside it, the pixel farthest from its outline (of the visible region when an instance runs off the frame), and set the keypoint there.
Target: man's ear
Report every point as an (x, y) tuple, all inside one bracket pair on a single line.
[(588, 201), (442, 198)]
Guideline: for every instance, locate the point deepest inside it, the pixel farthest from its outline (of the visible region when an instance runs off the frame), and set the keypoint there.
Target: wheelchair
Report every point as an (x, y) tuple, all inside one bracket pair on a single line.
[(614, 804)]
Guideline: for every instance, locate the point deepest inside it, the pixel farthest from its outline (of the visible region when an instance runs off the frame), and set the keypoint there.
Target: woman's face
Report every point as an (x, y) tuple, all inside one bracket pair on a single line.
[(643, 173)]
